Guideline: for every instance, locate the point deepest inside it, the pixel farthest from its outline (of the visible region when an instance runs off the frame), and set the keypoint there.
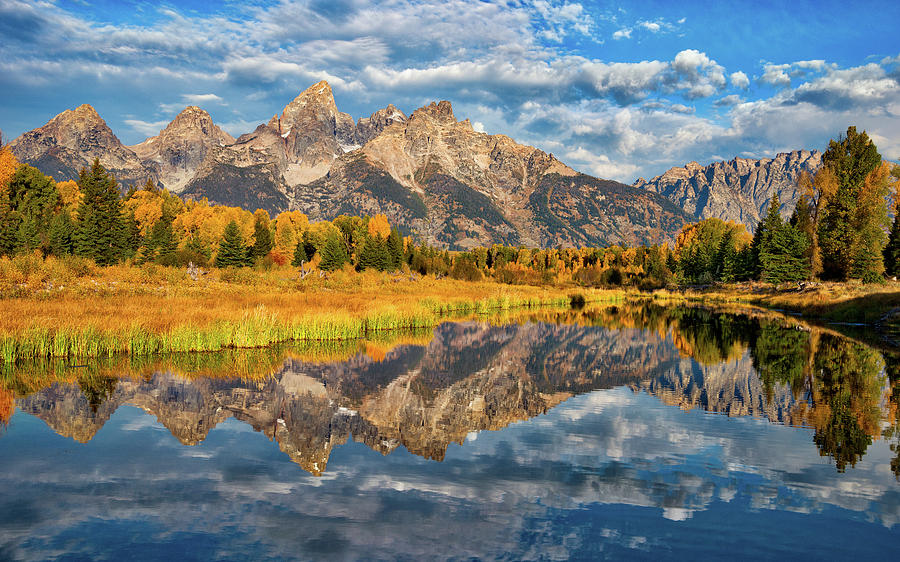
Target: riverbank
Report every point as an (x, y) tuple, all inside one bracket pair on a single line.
[(853, 303), (151, 310), (70, 307)]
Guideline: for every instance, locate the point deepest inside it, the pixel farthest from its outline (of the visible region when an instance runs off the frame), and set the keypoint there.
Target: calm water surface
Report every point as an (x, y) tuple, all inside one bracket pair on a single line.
[(638, 432)]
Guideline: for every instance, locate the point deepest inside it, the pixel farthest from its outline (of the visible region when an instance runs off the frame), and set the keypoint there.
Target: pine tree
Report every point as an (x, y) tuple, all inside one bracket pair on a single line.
[(61, 229), (395, 250), (785, 259), (263, 243), (844, 233), (231, 249), (802, 220), (198, 251), (334, 253), (99, 233), (374, 254), (161, 244), (299, 254), (892, 250)]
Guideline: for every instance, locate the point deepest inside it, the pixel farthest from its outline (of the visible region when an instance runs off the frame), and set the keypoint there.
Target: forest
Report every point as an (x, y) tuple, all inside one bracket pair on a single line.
[(839, 230)]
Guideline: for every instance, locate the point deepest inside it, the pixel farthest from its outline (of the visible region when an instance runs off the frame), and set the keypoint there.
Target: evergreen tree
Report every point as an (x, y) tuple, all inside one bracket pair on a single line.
[(374, 254), (264, 241), (61, 228), (197, 251), (844, 232), (99, 232), (334, 253), (781, 248), (802, 220), (34, 197), (892, 250), (161, 244), (395, 250), (231, 248), (133, 238), (299, 254), (784, 258)]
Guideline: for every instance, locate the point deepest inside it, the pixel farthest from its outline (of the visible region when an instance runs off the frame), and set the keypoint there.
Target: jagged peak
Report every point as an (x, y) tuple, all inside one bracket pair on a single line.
[(85, 112), (441, 110)]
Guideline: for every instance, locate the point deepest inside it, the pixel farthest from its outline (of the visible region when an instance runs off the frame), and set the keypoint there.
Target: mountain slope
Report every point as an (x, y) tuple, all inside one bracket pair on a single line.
[(71, 140), (461, 188), (181, 147), (739, 189)]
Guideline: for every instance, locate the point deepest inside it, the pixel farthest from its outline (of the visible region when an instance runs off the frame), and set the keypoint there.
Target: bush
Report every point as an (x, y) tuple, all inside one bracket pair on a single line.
[(466, 271), (577, 300), (612, 277)]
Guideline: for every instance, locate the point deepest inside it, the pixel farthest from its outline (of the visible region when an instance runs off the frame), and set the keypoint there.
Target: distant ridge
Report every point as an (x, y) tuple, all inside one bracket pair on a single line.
[(739, 189)]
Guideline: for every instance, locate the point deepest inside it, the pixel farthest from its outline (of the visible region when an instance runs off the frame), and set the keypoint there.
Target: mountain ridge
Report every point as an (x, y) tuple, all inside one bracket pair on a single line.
[(431, 174), (739, 189)]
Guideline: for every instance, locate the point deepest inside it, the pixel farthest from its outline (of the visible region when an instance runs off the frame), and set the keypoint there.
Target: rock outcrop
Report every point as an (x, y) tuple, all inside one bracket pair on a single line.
[(178, 150), (71, 140), (739, 190)]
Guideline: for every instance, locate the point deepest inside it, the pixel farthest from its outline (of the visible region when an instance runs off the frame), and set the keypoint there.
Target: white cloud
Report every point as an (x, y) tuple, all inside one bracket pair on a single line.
[(740, 80), (198, 99), (146, 128)]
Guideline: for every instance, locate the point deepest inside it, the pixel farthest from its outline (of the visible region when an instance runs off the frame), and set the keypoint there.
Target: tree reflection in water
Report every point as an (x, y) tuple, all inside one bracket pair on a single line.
[(427, 391)]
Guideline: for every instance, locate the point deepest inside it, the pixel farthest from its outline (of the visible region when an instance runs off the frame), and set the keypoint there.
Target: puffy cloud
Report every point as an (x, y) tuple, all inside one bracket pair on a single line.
[(740, 80), (147, 128)]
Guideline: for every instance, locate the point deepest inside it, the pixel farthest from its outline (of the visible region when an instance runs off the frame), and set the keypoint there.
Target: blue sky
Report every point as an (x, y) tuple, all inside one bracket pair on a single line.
[(618, 90)]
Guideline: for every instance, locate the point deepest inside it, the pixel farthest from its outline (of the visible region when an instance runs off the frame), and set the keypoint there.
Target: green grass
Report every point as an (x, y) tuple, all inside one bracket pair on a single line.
[(257, 328)]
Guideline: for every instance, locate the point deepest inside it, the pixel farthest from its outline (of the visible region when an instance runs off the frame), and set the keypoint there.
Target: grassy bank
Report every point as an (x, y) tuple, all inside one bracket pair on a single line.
[(57, 312), (876, 305)]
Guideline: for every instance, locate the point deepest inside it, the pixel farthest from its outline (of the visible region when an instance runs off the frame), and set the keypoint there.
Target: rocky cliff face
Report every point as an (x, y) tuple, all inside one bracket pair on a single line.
[(457, 187), (739, 190), (181, 147), (71, 140), (429, 173)]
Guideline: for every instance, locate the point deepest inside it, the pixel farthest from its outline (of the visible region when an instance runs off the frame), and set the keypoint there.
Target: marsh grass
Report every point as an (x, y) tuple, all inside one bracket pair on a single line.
[(103, 312)]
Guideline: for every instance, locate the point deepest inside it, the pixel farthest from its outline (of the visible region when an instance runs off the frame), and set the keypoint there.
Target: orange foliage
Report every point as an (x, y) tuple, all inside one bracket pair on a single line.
[(70, 195), (379, 226), (8, 166), (147, 207), (277, 257)]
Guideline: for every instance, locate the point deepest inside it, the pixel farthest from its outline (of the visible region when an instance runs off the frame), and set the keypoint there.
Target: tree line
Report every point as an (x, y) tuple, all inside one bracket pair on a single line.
[(838, 230)]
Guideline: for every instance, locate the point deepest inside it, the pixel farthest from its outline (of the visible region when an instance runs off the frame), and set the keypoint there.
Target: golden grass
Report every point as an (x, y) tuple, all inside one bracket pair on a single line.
[(833, 302), (154, 310)]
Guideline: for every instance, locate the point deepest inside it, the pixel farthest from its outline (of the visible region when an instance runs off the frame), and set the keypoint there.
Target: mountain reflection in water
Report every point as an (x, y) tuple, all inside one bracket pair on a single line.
[(429, 392)]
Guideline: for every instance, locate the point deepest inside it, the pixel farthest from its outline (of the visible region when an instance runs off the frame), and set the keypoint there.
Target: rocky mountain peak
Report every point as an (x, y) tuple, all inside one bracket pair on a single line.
[(440, 111), (739, 189), (180, 148), (71, 140), (317, 100), (370, 127)]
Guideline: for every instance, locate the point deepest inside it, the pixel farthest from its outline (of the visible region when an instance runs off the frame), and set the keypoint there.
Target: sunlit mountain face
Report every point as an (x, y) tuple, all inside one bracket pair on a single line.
[(582, 433)]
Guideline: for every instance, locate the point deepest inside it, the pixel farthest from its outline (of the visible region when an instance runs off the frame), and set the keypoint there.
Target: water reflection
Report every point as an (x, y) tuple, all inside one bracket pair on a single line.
[(428, 391), (590, 458)]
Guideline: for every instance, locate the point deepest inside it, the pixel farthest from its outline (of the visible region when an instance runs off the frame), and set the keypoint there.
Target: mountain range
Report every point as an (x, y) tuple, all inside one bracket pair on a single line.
[(434, 176)]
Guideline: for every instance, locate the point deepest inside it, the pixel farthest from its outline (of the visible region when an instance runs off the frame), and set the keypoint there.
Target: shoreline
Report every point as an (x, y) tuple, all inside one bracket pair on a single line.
[(157, 310)]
